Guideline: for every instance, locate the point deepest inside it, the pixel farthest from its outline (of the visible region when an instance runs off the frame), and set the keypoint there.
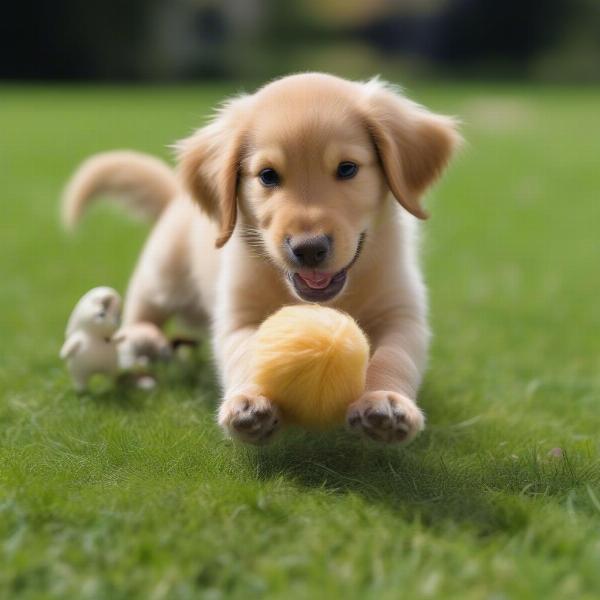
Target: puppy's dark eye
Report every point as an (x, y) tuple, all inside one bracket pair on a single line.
[(346, 170), (269, 177)]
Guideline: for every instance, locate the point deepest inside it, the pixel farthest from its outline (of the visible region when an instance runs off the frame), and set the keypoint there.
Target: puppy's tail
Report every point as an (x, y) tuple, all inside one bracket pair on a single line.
[(140, 182)]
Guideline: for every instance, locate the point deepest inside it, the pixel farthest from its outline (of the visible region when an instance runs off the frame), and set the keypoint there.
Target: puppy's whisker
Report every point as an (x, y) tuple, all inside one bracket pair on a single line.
[(256, 247)]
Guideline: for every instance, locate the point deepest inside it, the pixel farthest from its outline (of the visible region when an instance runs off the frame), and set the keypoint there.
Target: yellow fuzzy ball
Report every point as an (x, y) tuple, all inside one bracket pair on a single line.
[(311, 361)]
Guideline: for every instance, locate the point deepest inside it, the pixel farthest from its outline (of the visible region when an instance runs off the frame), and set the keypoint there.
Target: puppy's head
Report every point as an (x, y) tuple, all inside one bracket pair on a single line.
[(306, 164)]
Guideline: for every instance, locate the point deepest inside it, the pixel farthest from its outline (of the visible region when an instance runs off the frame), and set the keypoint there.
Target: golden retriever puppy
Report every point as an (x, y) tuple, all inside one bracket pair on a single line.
[(308, 191)]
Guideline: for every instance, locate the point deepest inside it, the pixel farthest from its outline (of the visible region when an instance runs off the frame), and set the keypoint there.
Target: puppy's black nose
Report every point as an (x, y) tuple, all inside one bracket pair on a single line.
[(309, 252)]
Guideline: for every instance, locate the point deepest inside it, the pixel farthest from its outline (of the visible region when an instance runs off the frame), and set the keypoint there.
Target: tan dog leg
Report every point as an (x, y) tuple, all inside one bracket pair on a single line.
[(245, 413), (387, 411)]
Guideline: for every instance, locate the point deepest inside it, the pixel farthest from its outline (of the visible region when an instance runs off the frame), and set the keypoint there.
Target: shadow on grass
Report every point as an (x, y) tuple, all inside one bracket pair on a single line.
[(439, 478), (430, 480)]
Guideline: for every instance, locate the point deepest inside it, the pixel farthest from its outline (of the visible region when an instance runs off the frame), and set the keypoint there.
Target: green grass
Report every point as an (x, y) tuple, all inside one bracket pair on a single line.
[(124, 494)]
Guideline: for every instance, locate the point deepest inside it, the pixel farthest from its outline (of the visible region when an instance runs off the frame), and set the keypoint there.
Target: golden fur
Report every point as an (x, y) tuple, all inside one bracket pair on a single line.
[(227, 263)]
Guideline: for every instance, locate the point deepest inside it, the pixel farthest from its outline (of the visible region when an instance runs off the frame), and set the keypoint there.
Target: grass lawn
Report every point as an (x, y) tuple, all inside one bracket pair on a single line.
[(126, 494)]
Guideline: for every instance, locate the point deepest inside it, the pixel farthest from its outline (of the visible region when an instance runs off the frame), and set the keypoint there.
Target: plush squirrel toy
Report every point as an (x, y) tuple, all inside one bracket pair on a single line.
[(89, 347)]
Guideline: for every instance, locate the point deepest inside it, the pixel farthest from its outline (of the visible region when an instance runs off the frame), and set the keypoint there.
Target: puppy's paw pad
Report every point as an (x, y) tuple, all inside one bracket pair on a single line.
[(249, 417), (385, 417)]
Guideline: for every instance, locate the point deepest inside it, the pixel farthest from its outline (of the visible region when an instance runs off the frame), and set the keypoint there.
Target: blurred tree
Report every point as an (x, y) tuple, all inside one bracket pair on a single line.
[(257, 39), (70, 39), (470, 34), (576, 53)]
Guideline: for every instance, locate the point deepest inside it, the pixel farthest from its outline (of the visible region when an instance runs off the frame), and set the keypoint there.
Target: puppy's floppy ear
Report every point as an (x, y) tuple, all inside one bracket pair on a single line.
[(209, 163), (413, 144)]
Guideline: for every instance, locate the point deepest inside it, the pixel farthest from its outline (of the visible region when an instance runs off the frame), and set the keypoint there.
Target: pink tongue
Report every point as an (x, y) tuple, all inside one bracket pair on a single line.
[(315, 280)]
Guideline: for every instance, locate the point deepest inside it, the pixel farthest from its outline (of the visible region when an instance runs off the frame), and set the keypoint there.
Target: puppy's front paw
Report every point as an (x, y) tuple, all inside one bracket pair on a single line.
[(385, 417), (249, 416)]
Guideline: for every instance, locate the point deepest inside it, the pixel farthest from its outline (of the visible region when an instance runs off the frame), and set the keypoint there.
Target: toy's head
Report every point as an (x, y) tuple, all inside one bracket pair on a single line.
[(98, 313)]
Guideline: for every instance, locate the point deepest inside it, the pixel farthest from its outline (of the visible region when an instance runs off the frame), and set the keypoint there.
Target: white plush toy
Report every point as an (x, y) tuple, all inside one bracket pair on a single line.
[(89, 347)]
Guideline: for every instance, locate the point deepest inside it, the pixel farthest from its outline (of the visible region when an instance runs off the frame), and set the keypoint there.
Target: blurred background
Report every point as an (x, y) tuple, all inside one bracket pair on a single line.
[(100, 493), (252, 40), (83, 76)]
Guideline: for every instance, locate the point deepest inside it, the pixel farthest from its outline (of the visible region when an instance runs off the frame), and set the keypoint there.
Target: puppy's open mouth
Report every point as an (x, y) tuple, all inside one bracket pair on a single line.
[(317, 286), (314, 286)]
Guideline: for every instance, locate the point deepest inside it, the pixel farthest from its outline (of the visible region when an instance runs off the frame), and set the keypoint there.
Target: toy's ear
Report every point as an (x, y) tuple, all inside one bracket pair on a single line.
[(209, 163), (106, 300), (413, 144)]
